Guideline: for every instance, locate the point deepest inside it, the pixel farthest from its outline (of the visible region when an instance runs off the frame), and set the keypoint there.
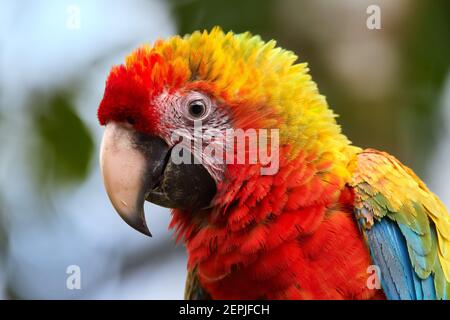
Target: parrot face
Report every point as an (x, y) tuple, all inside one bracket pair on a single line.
[(138, 165)]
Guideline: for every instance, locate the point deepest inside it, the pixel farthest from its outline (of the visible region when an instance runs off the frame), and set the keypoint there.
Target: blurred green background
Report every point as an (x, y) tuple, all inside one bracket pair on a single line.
[(390, 87)]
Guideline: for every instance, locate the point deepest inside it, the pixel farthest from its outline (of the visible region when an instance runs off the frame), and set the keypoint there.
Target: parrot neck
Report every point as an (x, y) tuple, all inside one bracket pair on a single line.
[(264, 229)]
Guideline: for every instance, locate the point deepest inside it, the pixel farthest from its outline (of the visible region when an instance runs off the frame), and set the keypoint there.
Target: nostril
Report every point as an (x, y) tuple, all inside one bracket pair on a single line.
[(130, 120)]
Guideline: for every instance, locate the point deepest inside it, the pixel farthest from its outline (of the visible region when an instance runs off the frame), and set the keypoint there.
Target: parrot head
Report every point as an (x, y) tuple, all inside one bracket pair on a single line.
[(157, 99)]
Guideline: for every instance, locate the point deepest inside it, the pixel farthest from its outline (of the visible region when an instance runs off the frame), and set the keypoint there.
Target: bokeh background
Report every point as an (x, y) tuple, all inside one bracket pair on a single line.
[(391, 88)]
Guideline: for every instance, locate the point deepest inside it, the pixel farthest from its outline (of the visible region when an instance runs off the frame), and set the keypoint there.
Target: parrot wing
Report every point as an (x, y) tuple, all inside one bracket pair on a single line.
[(193, 289), (406, 227)]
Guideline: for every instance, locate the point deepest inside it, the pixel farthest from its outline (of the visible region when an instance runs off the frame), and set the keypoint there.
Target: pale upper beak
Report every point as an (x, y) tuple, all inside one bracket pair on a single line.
[(123, 168)]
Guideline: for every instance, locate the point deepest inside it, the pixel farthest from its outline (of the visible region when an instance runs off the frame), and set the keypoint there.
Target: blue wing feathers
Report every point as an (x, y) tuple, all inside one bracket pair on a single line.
[(389, 252)]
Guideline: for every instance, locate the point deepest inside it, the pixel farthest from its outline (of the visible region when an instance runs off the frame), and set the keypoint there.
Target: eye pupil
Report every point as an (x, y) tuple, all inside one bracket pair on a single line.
[(196, 109)]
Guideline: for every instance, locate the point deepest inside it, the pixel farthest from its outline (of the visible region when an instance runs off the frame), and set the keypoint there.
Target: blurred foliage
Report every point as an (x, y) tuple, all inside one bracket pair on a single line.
[(236, 15), (63, 144), (427, 64)]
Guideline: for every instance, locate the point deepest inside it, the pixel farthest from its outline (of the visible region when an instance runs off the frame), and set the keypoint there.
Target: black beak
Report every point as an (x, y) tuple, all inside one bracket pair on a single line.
[(138, 167)]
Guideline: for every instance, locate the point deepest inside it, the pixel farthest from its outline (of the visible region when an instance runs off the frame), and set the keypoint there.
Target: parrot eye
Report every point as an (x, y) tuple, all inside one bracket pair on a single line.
[(197, 107)]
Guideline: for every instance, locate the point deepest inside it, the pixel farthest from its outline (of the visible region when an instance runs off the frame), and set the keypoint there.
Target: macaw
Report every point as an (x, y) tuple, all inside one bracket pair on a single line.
[(315, 228)]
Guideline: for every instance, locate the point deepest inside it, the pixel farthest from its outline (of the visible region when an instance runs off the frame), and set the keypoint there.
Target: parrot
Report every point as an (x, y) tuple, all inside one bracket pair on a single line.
[(331, 221)]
